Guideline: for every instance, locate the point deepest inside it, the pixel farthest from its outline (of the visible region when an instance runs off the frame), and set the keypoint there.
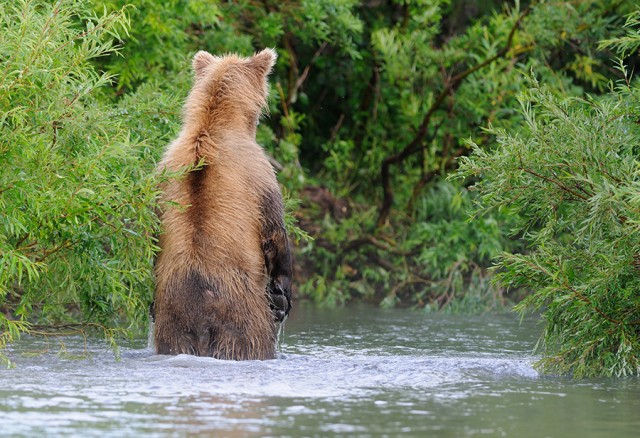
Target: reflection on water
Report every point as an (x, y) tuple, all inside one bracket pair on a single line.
[(355, 371)]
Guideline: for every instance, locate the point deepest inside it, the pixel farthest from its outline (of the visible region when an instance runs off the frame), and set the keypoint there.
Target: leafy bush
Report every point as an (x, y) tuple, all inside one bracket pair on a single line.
[(572, 181), (159, 38), (76, 189)]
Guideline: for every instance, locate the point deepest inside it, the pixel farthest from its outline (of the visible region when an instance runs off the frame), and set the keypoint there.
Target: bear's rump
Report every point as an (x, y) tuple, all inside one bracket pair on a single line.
[(226, 316)]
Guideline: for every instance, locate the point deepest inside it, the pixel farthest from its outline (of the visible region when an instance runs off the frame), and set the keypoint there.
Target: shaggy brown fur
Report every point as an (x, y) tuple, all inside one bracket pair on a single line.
[(224, 267)]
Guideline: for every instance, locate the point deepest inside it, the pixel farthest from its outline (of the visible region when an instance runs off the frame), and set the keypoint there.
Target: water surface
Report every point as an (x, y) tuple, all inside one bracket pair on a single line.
[(346, 372)]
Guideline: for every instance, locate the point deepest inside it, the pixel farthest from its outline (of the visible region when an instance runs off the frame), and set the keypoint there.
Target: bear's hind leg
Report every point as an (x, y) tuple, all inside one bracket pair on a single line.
[(180, 342)]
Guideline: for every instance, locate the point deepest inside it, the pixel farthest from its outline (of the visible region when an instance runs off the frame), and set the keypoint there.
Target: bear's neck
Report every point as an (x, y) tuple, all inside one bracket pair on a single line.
[(218, 133), (219, 122), (221, 127)]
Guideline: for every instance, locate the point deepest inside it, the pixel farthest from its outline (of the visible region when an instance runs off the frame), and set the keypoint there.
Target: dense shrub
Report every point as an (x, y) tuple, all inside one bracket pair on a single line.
[(76, 190), (570, 179)]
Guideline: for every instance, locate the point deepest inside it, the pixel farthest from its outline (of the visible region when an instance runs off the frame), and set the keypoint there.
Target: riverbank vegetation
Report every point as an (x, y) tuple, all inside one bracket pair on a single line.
[(374, 106)]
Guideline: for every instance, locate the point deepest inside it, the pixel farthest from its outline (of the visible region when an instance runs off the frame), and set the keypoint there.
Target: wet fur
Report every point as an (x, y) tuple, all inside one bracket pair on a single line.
[(223, 245)]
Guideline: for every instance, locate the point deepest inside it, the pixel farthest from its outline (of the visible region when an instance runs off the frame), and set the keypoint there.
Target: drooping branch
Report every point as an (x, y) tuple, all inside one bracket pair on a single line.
[(417, 143)]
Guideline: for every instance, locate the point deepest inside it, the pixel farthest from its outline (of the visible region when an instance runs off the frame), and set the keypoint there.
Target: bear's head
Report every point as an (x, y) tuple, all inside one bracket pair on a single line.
[(229, 92)]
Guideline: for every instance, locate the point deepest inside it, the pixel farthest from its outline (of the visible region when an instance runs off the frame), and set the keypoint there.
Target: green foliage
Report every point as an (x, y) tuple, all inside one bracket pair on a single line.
[(76, 189), (160, 39), (628, 44), (571, 178), (418, 90), (436, 263)]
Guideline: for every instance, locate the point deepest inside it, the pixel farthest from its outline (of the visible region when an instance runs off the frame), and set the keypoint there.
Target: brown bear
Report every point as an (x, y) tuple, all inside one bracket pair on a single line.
[(223, 273)]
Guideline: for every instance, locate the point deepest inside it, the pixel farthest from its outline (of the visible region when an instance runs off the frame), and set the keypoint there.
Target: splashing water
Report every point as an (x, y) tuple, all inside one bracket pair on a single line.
[(280, 335), (151, 343)]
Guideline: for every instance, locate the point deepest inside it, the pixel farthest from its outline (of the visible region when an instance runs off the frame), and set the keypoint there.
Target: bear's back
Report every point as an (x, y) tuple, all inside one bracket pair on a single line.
[(218, 221)]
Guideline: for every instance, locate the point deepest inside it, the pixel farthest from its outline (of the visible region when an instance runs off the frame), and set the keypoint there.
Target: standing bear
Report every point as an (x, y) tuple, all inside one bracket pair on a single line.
[(223, 274)]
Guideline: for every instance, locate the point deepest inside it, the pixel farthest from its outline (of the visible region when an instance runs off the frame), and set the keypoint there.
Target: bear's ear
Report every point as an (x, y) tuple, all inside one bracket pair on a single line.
[(262, 62), (201, 61)]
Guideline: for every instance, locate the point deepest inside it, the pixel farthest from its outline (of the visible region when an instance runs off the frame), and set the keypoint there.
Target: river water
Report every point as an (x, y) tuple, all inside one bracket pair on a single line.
[(341, 372)]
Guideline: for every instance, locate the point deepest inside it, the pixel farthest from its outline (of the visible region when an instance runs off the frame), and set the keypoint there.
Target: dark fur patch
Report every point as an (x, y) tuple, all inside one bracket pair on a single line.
[(197, 285), (196, 181), (190, 327), (277, 255), (272, 212)]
